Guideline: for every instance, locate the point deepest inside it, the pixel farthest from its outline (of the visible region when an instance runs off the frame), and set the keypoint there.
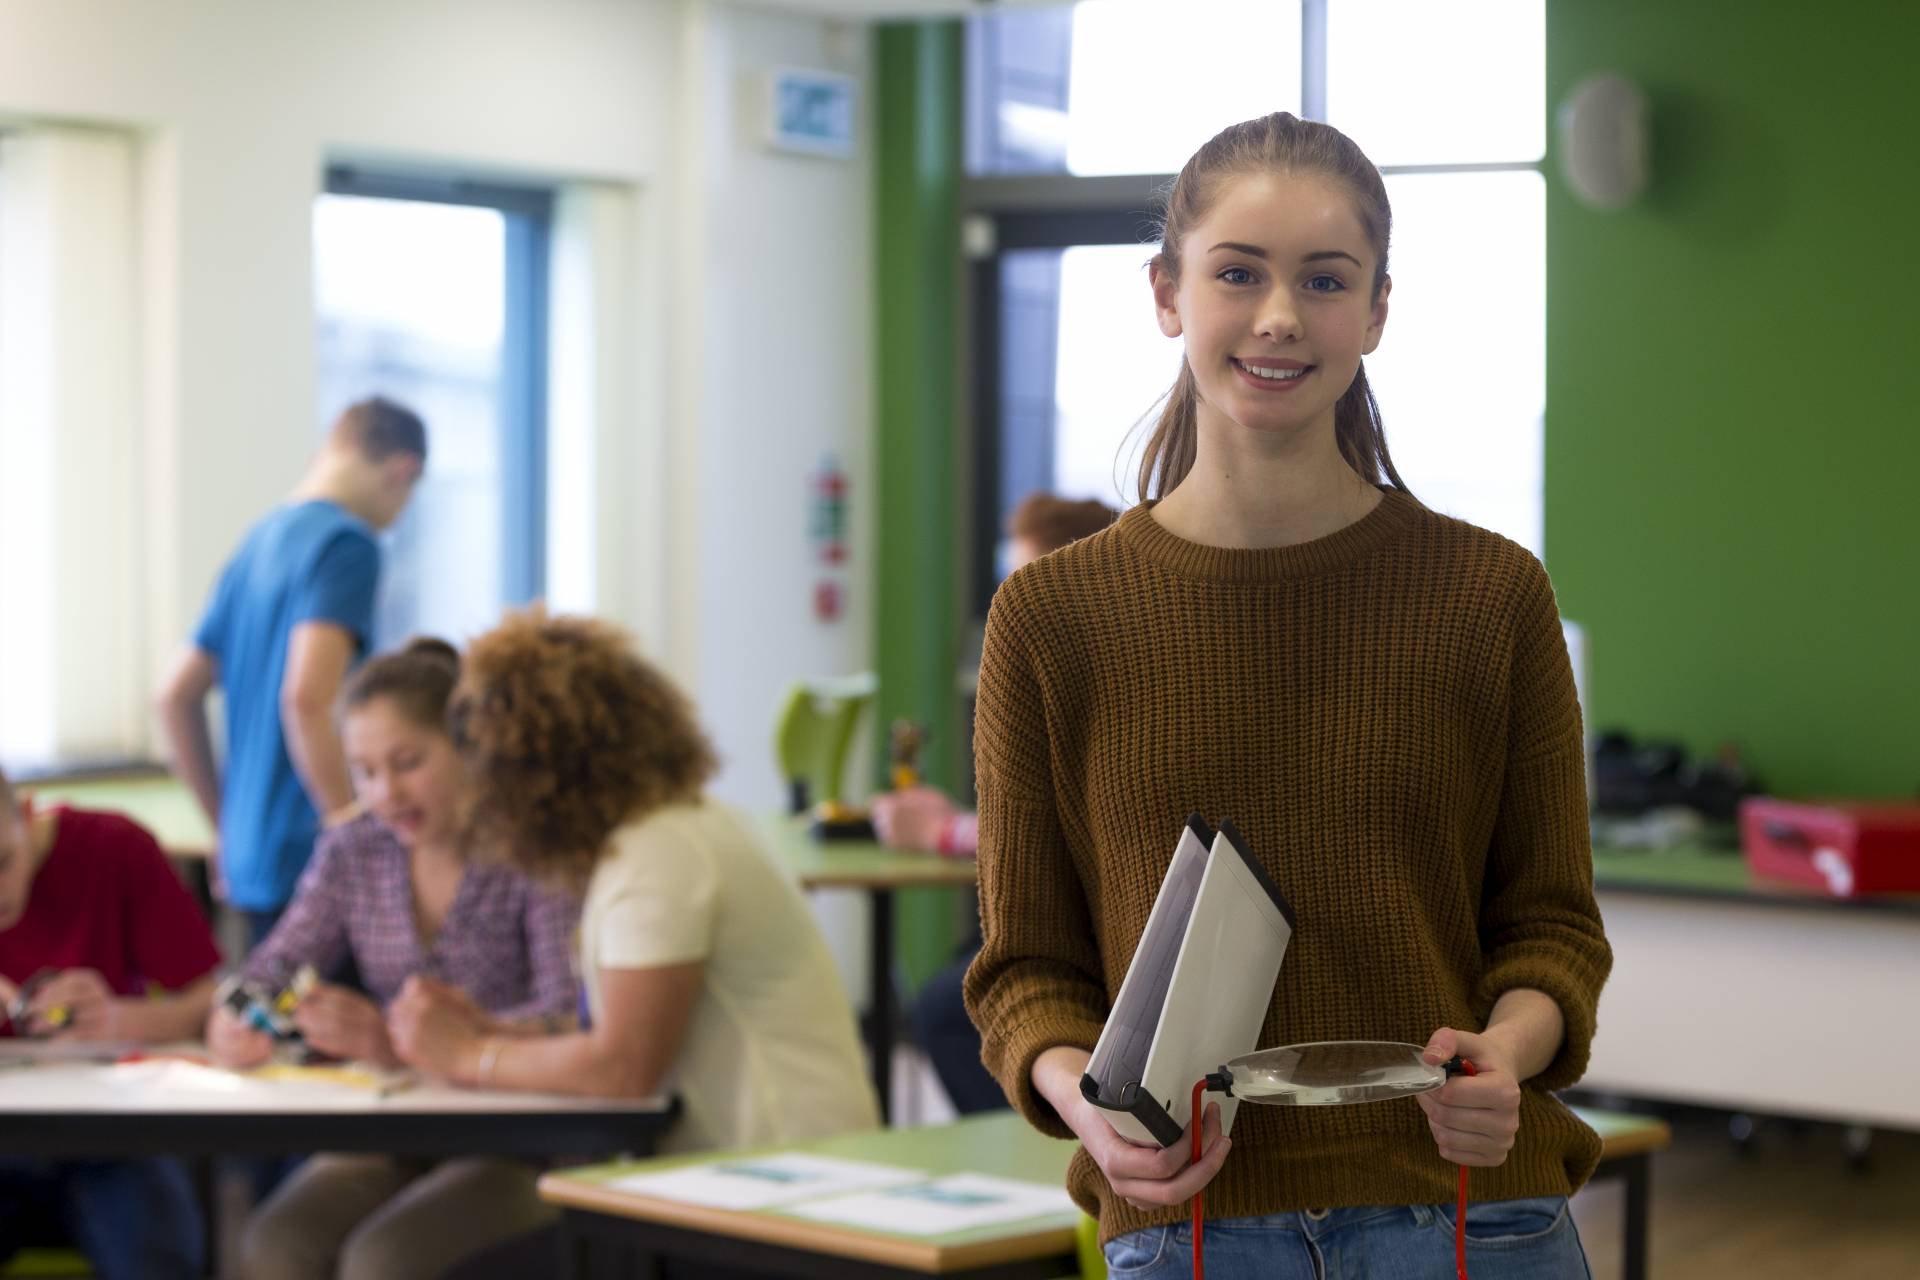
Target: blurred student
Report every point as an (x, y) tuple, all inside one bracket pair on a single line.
[(291, 613), (927, 818), (704, 970), (395, 890), (108, 945)]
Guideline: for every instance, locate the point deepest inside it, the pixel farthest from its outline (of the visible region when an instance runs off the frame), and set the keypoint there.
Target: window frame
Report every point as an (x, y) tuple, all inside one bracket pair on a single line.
[(528, 215)]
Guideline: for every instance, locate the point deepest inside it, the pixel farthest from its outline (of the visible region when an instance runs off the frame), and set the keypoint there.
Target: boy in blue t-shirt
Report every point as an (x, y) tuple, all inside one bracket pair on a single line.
[(291, 613)]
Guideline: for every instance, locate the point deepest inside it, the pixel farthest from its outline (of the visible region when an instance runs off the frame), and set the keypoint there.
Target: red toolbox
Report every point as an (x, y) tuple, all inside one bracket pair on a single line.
[(1842, 847)]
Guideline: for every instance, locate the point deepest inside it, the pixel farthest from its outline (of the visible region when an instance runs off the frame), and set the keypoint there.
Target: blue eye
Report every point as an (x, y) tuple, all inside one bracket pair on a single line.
[(1325, 284), (1237, 275)]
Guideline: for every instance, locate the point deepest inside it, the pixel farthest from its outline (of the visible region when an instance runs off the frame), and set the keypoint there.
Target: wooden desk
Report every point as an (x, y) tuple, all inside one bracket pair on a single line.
[(879, 871), (1725, 988), (162, 1107), (156, 800), (1627, 1144), (599, 1221)]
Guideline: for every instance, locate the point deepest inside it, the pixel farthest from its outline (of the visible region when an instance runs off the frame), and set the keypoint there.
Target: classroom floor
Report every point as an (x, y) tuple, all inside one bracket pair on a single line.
[(1789, 1207)]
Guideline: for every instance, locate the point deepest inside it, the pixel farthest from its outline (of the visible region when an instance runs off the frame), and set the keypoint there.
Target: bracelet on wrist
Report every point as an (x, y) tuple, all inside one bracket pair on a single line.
[(489, 1055)]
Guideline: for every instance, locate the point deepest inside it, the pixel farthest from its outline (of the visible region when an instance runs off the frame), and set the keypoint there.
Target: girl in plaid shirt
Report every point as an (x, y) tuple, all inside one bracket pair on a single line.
[(394, 891)]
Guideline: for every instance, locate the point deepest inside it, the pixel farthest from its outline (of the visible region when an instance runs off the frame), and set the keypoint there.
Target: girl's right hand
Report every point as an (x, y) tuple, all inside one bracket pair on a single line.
[(235, 1044), (1146, 1177)]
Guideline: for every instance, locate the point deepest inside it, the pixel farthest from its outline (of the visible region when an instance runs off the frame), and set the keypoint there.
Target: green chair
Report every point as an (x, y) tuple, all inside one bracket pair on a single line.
[(1093, 1263), (45, 1264), (814, 735)]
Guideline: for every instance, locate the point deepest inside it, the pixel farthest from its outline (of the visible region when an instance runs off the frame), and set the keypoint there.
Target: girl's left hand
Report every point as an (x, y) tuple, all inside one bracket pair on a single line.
[(1474, 1118), (431, 1031)]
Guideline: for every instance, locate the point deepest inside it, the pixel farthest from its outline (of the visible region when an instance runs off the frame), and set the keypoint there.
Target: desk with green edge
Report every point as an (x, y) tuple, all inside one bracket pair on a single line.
[(154, 799), (607, 1230), (602, 1224), (157, 801), (879, 872), (1627, 1144)]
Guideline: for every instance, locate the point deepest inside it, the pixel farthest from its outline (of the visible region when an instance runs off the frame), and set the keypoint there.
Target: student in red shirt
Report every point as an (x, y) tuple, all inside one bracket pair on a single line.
[(89, 906)]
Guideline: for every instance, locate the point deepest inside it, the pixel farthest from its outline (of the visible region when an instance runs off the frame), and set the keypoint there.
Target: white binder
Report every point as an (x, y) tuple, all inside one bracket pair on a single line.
[(1197, 990)]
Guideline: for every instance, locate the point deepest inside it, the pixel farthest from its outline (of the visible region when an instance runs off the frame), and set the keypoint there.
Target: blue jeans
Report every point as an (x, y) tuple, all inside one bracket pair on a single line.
[(134, 1219), (1506, 1240)]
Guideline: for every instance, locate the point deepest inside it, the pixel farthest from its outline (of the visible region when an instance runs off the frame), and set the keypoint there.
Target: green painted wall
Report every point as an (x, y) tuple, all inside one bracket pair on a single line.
[(917, 104), (1733, 390)]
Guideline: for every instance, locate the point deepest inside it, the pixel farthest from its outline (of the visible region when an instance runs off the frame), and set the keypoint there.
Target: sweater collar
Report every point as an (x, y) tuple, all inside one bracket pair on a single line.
[(1393, 514)]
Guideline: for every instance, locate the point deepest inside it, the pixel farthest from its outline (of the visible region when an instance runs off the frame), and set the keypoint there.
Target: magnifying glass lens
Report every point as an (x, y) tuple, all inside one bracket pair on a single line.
[(1333, 1073)]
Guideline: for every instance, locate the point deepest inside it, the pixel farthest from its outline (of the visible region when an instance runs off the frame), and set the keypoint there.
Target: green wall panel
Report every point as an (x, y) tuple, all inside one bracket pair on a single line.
[(1732, 433), (917, 106)]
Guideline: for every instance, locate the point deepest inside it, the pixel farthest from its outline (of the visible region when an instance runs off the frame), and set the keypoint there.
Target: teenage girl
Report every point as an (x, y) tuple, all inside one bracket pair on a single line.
[(1378, 696), (395, 891)]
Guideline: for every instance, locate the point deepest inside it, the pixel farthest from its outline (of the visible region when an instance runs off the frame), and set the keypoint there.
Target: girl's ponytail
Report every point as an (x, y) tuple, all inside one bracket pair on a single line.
[(1170, 449), (1360, 435)]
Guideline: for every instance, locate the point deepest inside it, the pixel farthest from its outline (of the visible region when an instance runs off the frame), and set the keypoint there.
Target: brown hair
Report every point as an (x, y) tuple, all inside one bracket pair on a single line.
[(568, 733), (6, 796), (1280, 141), (1050, 523), (377, 428), (417, 678)]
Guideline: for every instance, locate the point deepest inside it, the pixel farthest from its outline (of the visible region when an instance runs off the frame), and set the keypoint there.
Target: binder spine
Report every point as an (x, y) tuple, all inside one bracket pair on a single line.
[(1142, 1106)]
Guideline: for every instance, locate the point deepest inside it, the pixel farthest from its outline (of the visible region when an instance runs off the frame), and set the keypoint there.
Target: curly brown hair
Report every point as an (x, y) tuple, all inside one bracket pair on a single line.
[(568, 733)]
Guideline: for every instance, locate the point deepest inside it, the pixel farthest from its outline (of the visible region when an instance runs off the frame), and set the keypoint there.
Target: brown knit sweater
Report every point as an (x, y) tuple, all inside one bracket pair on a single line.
[(1388, 715)]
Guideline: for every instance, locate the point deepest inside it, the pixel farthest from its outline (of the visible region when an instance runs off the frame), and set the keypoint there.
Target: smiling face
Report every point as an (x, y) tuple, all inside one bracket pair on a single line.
[(1275, 296), (409, 774)]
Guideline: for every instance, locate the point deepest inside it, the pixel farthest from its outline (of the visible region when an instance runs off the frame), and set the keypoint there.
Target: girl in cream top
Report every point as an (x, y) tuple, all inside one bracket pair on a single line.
[(770, 1055), (705, 974)]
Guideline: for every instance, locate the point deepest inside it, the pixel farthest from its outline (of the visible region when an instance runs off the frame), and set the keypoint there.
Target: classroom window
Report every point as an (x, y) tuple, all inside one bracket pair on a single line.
[(1068, 362), (434, 294)]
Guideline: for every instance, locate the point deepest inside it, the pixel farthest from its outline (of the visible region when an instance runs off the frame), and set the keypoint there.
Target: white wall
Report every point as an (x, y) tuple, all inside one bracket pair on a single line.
[(773, 314), (739, 276)]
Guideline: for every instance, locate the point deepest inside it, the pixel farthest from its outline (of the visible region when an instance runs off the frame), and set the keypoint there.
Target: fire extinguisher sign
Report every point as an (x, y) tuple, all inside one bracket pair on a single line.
[(827, 534)]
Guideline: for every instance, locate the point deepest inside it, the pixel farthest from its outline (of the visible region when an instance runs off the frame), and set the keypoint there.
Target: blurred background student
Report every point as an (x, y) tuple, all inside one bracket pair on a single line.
[(396, 891), (110, 947), (291, 613), (704, 970), (927, 818)]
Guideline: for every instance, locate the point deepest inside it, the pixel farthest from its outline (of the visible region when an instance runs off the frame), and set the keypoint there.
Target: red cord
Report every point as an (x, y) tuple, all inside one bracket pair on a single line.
[(1199, 1263), (1460, 1211)]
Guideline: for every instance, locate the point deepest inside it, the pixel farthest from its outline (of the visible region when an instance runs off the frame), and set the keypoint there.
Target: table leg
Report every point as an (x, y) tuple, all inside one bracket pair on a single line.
[(1639, 1175), (880, 1014)]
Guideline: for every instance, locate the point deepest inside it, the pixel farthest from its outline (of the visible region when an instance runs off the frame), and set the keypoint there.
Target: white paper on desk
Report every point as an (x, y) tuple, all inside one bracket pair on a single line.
[(763, 1182), (957, 1203), (22, 1051)]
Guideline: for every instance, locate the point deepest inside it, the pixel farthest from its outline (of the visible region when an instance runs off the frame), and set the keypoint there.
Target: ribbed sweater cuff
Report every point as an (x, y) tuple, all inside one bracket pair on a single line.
[(1574, 987), (1012, 1065)]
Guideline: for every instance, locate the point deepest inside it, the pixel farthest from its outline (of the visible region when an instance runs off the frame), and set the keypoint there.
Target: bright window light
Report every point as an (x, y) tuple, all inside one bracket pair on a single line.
[(1152, 81), (1415, 82)]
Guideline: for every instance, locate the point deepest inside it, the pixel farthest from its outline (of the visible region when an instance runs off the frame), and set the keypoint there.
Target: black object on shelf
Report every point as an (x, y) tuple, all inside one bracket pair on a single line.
[(1633, 777)]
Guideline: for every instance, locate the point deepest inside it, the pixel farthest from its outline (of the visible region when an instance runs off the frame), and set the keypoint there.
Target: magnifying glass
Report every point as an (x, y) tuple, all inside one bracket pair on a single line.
[(1331, 1073)]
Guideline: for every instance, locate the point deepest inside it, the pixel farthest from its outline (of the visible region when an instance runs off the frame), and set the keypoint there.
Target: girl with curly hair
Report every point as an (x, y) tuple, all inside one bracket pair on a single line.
[(704, 971)]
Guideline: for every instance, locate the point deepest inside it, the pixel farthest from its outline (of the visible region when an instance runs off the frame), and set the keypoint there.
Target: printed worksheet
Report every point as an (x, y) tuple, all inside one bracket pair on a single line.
[(763, 1182), (958, 1203)]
